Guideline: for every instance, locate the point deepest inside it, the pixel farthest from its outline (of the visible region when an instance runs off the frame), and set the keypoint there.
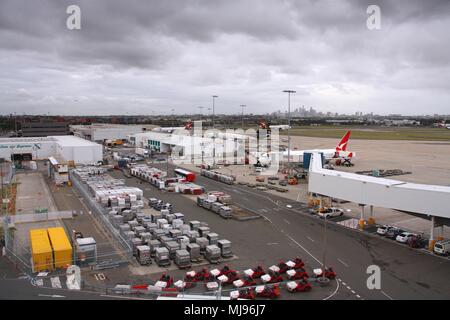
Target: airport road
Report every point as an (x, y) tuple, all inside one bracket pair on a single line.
[(22, 289), (288, 232), (16, 286)]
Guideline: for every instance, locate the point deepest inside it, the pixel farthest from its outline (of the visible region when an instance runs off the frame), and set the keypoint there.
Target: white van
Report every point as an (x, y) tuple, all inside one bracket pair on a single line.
[(442, 247)]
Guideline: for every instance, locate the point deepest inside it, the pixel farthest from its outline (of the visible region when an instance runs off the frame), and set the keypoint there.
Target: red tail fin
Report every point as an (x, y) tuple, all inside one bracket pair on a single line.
[(188, 125), (342, 145)]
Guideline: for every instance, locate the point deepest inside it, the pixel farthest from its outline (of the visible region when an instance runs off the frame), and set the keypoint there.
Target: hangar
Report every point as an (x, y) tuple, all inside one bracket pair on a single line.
[(70, 148)]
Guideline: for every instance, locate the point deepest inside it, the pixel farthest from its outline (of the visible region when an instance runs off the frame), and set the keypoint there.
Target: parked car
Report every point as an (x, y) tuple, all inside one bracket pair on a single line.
[(417, 241), (331, 212), (442, 247), (382, 230), (393, 232), (404, 237)]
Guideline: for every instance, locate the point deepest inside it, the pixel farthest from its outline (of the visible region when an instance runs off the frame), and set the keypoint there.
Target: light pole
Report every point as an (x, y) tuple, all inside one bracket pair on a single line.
[(201, 112), (172, 115), (214, 133), (289, 126), (213, 109), (243, 106)]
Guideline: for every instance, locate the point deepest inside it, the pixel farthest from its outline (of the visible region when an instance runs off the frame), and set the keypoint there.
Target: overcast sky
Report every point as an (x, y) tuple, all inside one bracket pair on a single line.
[(147, 57)]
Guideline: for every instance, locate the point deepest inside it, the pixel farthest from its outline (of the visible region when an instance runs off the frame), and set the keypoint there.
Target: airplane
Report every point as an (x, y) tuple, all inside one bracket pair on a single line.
[(281, 127), (443, 125), (264, 125), (340, 151), (188, 126)]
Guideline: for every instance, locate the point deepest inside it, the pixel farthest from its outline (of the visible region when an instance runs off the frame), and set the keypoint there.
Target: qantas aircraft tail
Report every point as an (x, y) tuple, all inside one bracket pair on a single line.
[(342, 145)]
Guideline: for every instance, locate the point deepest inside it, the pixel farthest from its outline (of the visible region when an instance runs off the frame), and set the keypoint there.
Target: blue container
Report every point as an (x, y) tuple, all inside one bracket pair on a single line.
[(122, 163)]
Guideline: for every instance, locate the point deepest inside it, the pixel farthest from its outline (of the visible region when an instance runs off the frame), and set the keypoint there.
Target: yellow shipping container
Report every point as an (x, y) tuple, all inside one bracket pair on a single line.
[(41, 250), (62, 249)]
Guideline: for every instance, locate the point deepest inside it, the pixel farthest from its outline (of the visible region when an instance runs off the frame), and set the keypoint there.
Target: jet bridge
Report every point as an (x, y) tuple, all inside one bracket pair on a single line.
[(427, 201)]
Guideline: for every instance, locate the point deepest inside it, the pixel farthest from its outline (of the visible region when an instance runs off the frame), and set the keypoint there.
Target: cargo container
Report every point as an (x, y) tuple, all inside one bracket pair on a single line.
[(194, 251), (225, 248), (212, 253), (194, 224), (86, 251), (212, 237), (62, 248), (41, 250), (162, 257), (143, 255), (182, 259)]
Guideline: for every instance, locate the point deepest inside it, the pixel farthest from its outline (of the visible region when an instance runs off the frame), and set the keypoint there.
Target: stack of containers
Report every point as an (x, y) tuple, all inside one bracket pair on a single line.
[(228, 179)]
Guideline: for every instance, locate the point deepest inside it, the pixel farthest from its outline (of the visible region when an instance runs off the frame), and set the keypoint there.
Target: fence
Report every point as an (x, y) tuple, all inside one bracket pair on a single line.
[(100, 214), (36, 217), (21, 260)]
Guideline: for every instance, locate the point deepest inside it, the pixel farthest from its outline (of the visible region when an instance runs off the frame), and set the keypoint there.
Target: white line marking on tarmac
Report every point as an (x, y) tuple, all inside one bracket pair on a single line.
[(310, 238), (353, 291), (358, 296), (343, 262), (51, 295), (303, 249), (349, 288), (384, 293), (344, 283), (286, 221), (335, 291), (120, 297)]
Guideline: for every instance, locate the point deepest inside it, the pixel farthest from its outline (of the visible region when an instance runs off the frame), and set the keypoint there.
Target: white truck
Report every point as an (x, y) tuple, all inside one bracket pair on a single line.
[(442, 247), (142, 152)]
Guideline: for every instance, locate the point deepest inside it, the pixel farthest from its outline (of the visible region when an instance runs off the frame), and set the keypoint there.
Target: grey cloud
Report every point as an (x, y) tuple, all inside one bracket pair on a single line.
[(138, 55)]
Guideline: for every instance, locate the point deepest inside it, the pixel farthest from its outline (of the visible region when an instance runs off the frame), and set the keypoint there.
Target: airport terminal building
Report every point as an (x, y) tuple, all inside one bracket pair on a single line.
[(188, 146), (69, 148), (99, 132)]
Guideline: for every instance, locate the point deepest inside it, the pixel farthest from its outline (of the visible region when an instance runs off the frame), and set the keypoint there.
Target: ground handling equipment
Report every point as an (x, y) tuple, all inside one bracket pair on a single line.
[(229, 278), (298, 286), (248, 294), (297, 263), (164, 282), (272, 278), (255, 273), (270, 292), (297, 274), (245, 281), (329, 273)]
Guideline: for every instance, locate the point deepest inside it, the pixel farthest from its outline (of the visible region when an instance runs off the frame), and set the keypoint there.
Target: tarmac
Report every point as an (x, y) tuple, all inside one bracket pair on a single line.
[(426, 160)]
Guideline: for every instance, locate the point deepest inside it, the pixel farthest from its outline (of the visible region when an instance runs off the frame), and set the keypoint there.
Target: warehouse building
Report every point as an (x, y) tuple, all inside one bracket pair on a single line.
[(68, 148), (189, 147), (44, 129), (100, 132)]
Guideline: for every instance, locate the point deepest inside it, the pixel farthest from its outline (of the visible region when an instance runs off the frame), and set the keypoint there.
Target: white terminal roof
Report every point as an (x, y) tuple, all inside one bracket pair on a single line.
[(69, 141), (72, 141)]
